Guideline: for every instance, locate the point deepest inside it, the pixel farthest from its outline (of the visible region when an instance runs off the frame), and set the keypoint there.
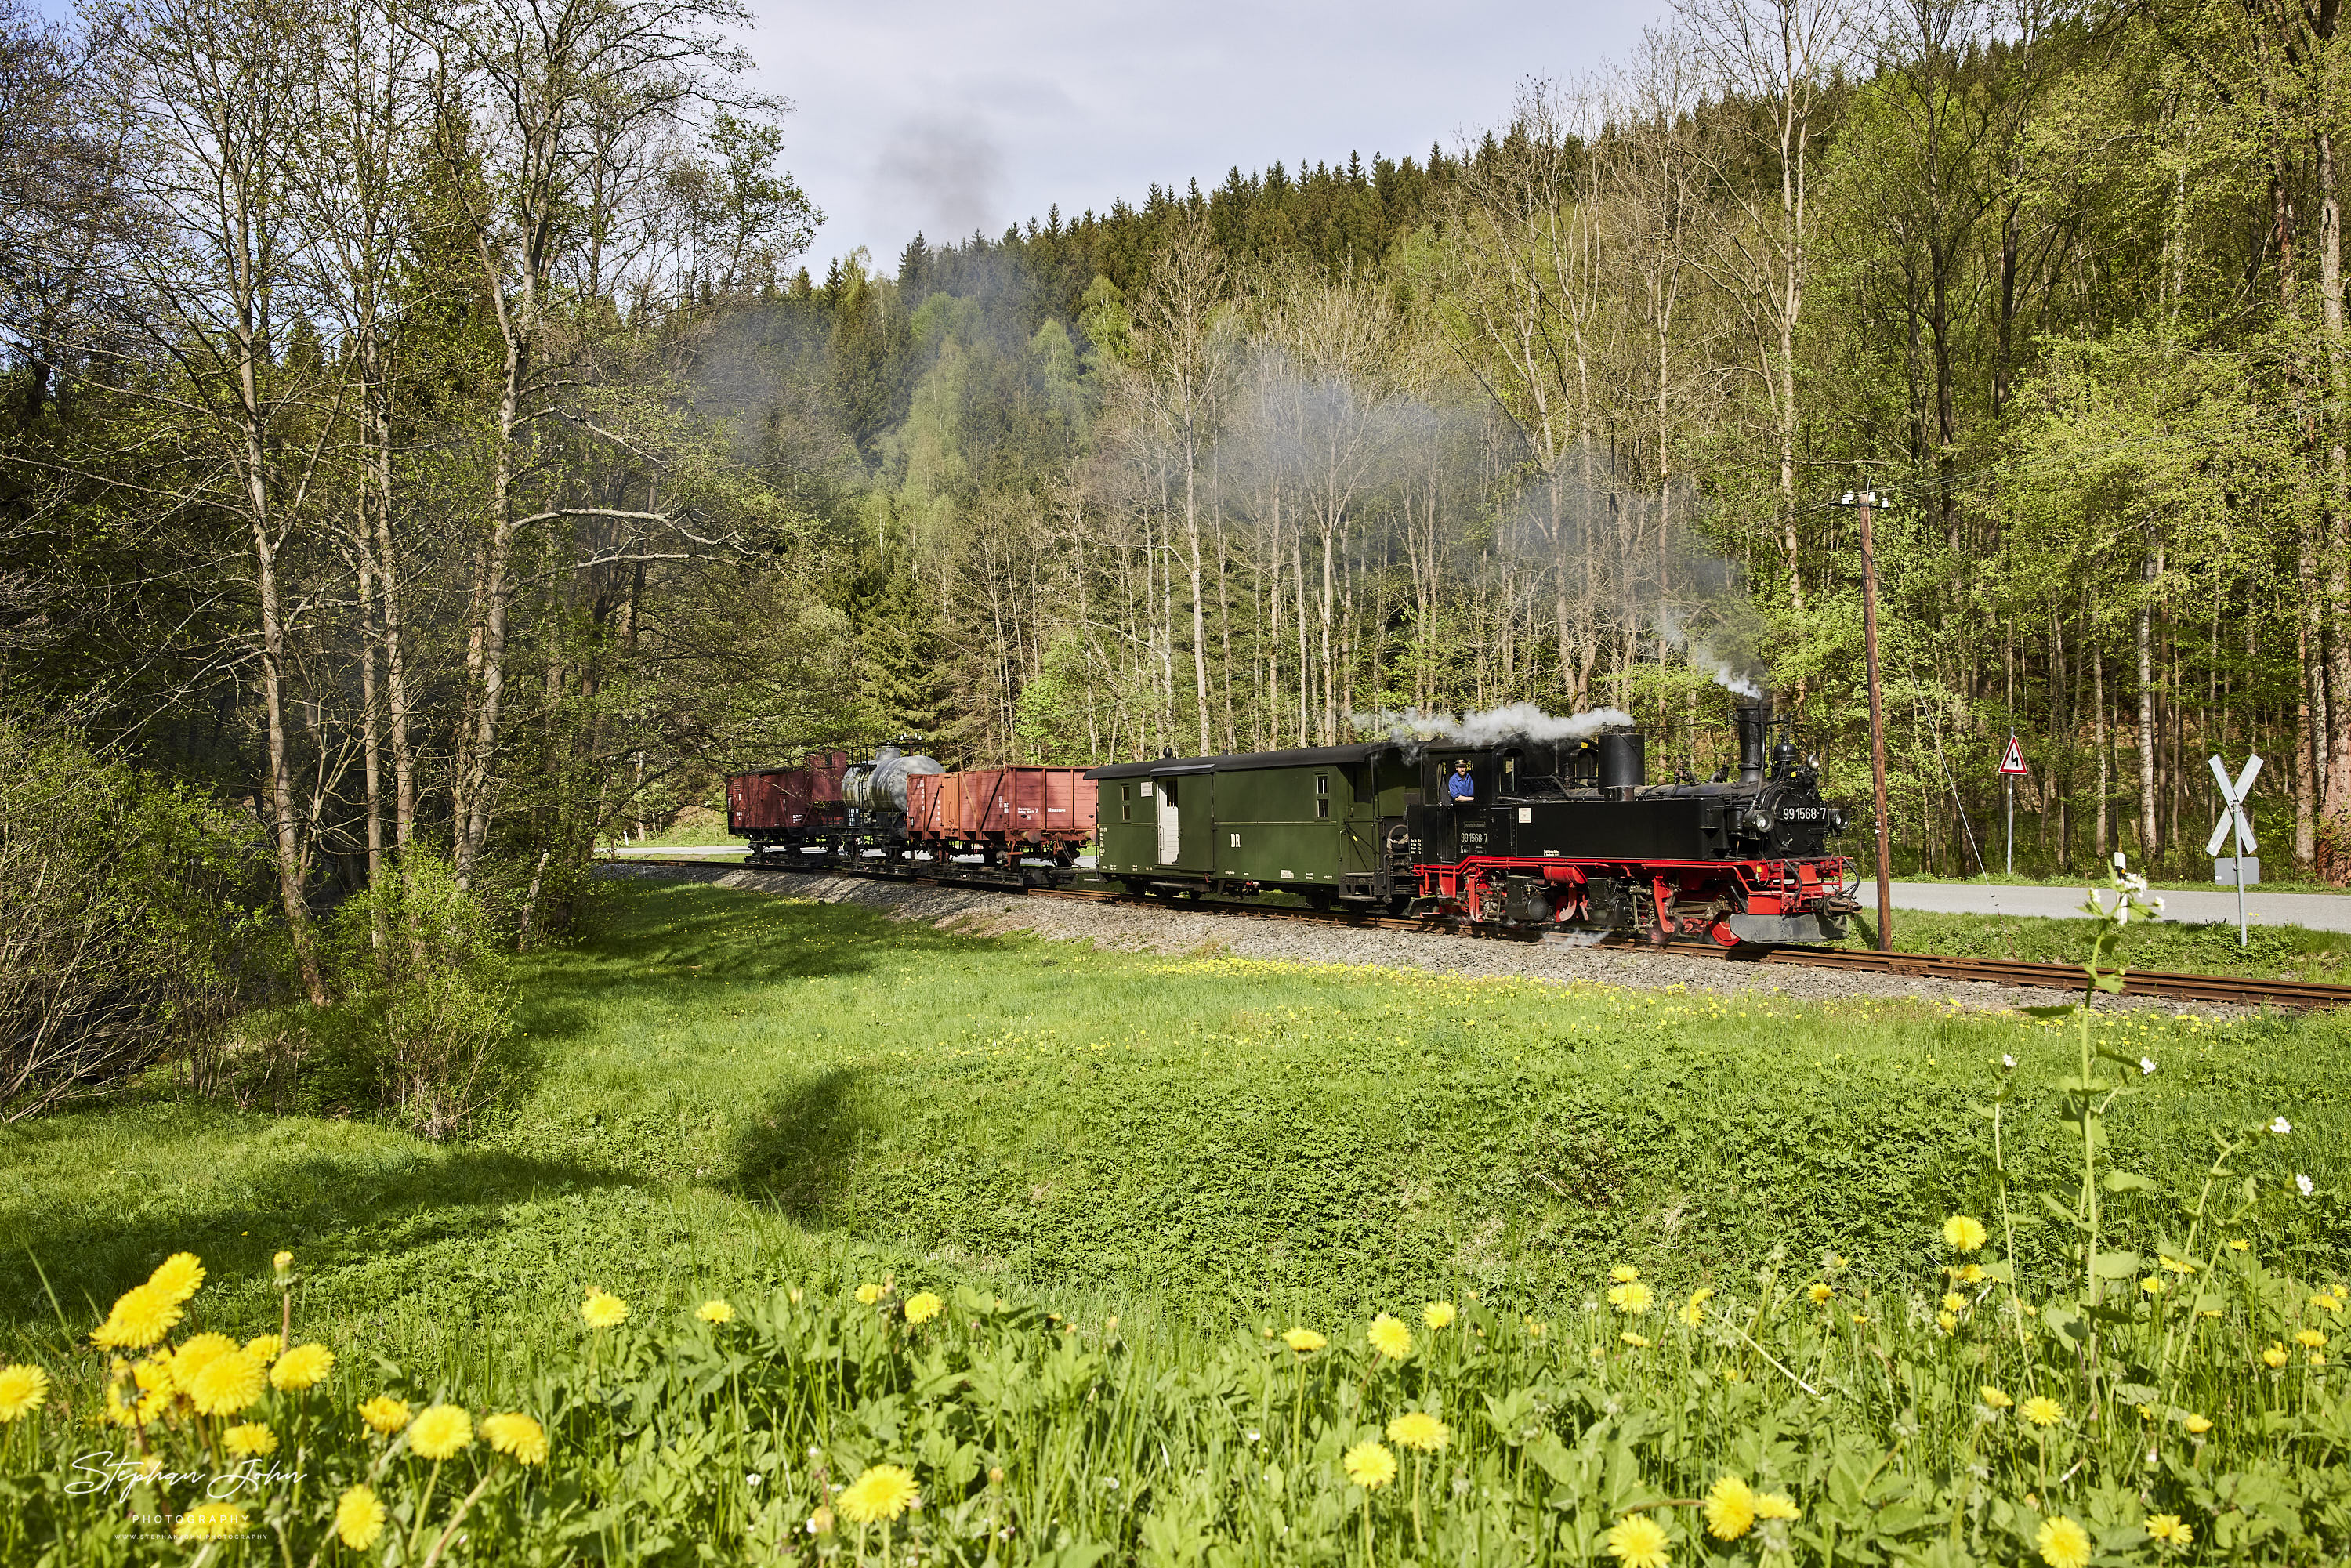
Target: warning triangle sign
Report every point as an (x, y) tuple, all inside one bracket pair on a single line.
[(2012, 761)]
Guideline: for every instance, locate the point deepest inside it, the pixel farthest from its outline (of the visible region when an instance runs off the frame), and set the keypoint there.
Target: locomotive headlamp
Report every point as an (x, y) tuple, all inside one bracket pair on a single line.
[(1758, 821)]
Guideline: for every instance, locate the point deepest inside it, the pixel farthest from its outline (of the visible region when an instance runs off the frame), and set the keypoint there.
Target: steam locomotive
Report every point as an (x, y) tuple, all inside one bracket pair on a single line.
[(1566, 835)]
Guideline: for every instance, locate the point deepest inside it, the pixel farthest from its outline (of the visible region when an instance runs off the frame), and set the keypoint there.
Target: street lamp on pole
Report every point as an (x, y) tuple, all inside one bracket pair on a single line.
[(1866, 503)]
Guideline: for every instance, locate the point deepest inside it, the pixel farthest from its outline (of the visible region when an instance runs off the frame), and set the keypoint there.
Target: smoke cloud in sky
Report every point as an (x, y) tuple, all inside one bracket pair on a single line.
[(941, 175), (1519, 721)]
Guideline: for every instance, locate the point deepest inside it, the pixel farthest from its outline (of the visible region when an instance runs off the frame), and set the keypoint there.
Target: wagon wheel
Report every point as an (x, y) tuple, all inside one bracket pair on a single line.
[(1320, 899)]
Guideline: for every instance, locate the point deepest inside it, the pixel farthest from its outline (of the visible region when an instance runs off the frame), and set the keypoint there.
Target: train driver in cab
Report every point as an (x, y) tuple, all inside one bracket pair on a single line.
[(1462, 788)]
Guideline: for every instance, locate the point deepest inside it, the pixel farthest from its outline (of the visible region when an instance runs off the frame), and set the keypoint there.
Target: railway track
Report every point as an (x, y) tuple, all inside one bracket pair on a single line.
[(2228, 989)]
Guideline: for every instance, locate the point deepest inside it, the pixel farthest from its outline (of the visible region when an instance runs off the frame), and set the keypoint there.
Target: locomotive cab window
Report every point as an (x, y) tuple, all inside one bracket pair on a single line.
[(1323, 795)]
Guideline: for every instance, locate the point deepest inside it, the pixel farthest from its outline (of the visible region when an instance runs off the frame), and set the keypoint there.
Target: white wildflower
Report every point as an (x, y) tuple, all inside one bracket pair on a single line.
[(2302, 1185), (2281, 1126), (2146, 1066)]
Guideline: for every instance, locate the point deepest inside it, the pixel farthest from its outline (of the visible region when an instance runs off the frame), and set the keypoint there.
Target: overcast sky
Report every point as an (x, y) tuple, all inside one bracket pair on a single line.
[(941, 117)]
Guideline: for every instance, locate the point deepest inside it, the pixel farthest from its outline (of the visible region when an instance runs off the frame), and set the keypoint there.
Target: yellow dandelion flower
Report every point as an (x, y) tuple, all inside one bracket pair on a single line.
[(1730, 1509), (2311, 1339), (517, 1435), (358, 1518), (2240, 1245), (878, 1496), (603, 1310), (282, 1265), (1636, 1341), (1631, 1298), (2196, 1425), (1819, 1292), (2170, 1530), (1369, 1464), (923, 1306), (441, 1432), (1947, 1321), (1776, 1505), (2152, 1284), (179, 1276), (142, 1316), (1389, 1337), (2043, 1411), (196, 1352), (210, 1521), (1993, 1398), (867, 1294), (384, 1415), (1537, 1328), (23, 1390), (1437, 1314), (1636, 1540), (1963, 1233), (1953, 1301), (224, 1385), (715, 1311), (1418, 1429), (264, 1347), (304, 1366), (2174, 1265), (1971, 1274), (2275, 1355), (2325, 1303), (2317, 1358), (2063, 1543), (249, 1440), (1623, 1275), (1305, 1342)]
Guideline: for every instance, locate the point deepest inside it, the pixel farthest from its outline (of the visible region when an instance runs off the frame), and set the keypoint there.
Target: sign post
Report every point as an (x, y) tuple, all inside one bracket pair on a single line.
[(2234, 819), (2012, 768)]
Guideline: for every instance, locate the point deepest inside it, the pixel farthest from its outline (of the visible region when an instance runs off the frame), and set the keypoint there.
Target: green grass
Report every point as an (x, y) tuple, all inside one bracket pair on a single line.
[(2271, 951), (696, 827), (749, 1097), (724, 1085)]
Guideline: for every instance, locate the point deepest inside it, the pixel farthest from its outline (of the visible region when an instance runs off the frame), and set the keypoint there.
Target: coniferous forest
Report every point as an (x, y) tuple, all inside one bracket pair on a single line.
[(433, 436)]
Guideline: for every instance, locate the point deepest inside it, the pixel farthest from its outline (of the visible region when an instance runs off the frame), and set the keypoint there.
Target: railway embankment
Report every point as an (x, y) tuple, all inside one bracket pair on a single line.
[(1176, 929)]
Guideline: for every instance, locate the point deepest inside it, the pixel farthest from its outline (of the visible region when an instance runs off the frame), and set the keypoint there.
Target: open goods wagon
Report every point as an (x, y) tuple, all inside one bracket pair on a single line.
[(788, 806), (998, 810)]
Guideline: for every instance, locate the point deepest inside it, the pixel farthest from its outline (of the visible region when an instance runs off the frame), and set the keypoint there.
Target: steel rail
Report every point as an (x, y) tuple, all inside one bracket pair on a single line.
[(2230, 989)]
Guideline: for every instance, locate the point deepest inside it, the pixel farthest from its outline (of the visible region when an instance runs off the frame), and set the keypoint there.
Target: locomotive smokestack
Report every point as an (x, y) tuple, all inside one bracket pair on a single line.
[(1754, 722), (1624, 765)]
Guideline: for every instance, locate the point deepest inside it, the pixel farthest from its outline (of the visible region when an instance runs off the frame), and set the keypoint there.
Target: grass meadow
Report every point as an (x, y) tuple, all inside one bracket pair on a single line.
[(1113, 1179), (2270, 952)]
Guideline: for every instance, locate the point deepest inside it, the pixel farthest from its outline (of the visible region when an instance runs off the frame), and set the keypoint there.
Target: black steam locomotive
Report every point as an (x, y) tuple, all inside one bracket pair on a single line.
[(1566, 835)]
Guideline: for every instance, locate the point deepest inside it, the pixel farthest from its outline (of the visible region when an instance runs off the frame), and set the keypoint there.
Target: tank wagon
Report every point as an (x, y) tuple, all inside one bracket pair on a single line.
[(1568, 834)]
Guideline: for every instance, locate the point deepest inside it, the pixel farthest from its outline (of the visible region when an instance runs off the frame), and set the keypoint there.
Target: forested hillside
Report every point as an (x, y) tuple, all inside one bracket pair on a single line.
[(432, 428)]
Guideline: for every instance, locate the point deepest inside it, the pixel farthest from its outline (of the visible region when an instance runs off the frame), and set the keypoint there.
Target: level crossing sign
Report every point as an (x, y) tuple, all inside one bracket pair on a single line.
[(2012, 761), (2240, 867), (2232, 808)]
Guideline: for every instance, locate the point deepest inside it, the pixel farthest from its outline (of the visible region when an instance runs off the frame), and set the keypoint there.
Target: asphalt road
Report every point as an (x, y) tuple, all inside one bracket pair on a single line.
[(2318, 911)]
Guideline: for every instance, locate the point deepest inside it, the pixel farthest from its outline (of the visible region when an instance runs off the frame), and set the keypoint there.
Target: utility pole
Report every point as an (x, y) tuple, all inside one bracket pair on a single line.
[(1867, 504)]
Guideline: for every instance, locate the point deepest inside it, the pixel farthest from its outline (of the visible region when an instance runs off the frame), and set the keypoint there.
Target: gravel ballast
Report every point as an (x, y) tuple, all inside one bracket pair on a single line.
[(1141, 928)]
